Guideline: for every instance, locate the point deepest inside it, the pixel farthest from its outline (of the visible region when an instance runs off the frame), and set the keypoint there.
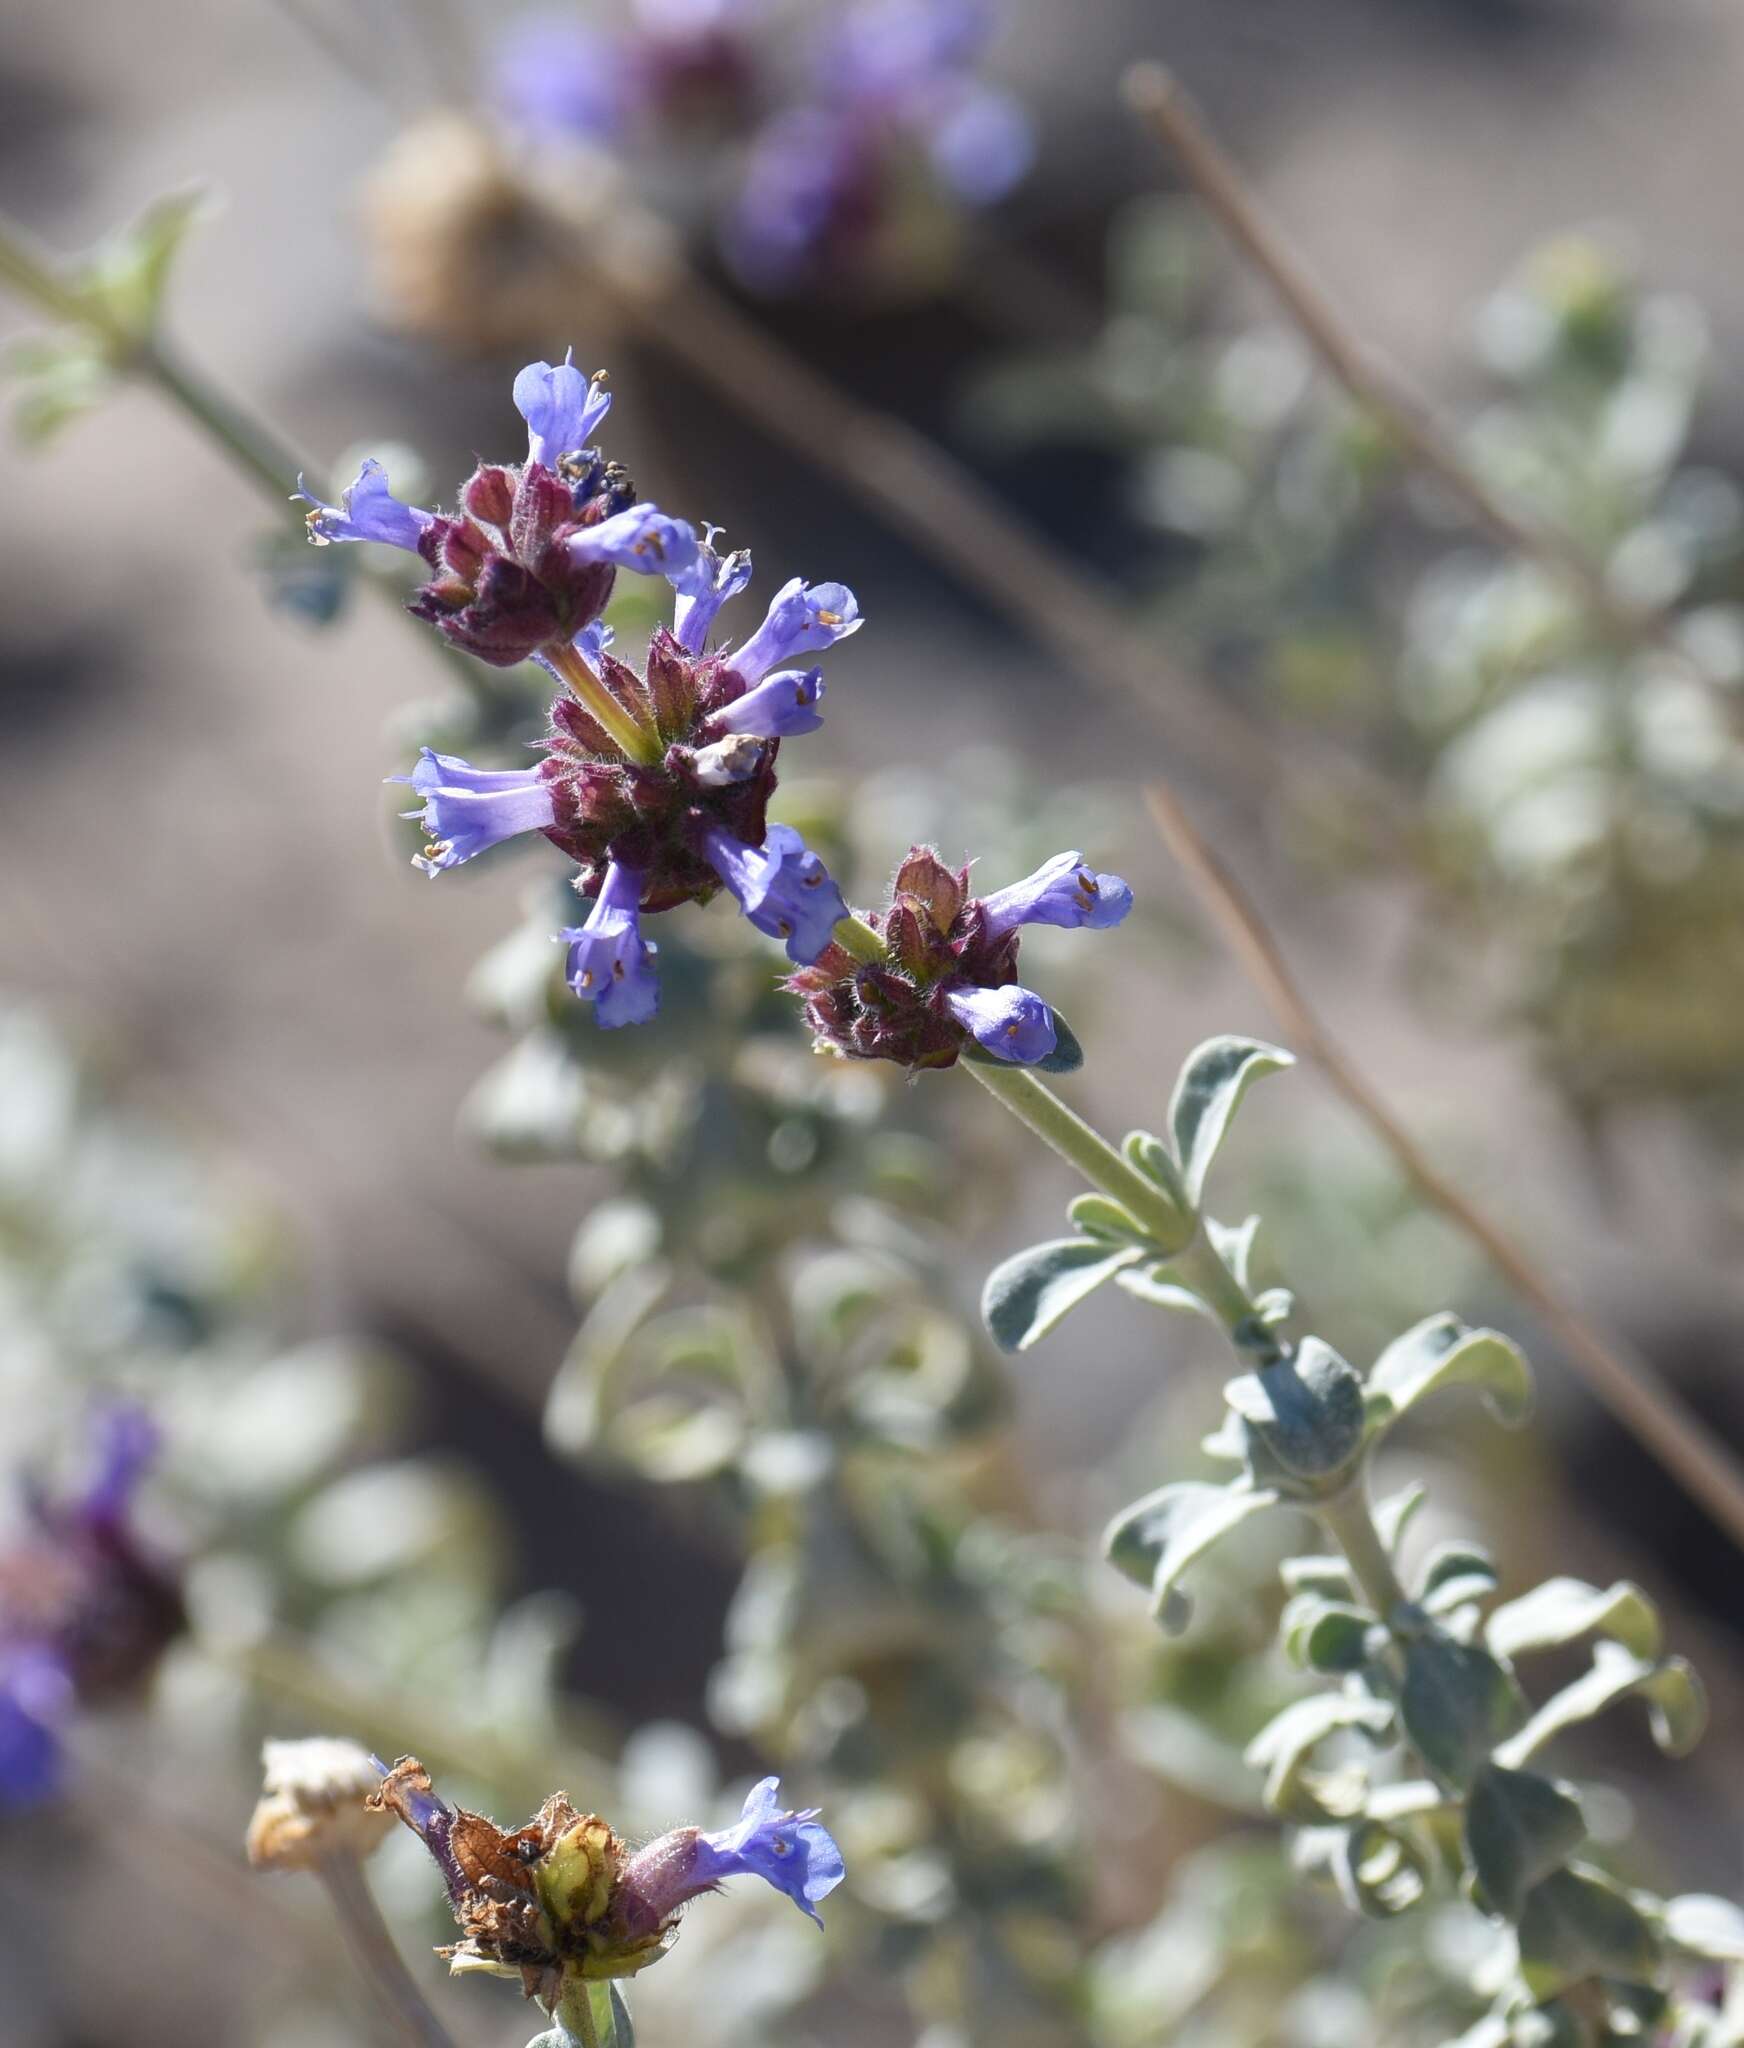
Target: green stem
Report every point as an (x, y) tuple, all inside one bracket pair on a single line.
[(252, 447), (1349, 1520), (1198, 1266), (635, 741), (854, 935), (577, 2013), (366, 1934), (1035, 1104)]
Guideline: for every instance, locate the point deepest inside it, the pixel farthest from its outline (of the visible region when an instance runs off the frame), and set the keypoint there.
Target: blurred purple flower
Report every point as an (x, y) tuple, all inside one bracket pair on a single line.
[(84, 1613)]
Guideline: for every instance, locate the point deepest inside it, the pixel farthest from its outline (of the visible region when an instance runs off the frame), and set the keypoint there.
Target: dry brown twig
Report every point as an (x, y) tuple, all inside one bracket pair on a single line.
[(1168, 113), (1626, 1384)]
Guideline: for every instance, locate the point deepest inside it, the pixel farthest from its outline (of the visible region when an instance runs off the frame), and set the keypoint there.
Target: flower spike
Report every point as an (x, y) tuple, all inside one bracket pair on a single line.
[(948, 974)]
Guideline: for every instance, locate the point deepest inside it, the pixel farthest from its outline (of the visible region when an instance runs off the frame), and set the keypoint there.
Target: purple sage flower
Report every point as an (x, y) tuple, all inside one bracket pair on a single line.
[(561, 407), (1012, 1021), (803, 618), (467, 809), (610, 964), (794, 1852), (703, 587), (780, 706), (1062, 891), (781, 886), (367, 510), (640, 538)]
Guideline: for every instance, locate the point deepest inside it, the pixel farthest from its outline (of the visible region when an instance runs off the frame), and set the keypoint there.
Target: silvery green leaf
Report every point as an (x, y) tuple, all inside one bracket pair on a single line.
[(1519, 1827), (1285, 1745), (1157, 1163), (1325, 1635), (1409, 1799), (1028, 1294), (1152, 1283), (574, 1411), (1565, 1611), (1393, 1515), (1676, 1705), (1452, 1574), (1233, 1244), (1381, 1871), (1492, 2031), (1442, 1352), (1576, 1924), (1098, 1216), (1328, 1576), (1274, 1305), (1457, 1702), (1702, 1925), (1155, 1539), (125, 275), (1308, 1410), (1212, 1083)]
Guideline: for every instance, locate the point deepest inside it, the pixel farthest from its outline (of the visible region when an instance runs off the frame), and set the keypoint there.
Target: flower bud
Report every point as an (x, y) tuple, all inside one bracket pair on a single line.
[(312, 1805)]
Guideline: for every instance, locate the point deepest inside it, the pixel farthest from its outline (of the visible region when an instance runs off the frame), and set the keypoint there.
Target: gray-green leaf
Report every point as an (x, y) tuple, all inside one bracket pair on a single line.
[(1702, 1925), (1456, 1704), (1519, 1827), (1308, 1410), (1676, 1705), (1442, 1352), (1565, 1611), (1155, 1539), (1576, 1925), (1285, 1745), (1212, 1083), (1026, 1296)]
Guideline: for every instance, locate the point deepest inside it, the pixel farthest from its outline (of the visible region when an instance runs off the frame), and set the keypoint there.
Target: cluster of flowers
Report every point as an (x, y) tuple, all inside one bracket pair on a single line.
[(84, 1610), (886, 89), (657, 784), (563, 1896)]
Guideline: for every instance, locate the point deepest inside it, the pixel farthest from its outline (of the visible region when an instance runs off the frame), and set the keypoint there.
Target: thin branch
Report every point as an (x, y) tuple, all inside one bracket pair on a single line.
[(1378, 386), (372, 1946), (1634, 1392)]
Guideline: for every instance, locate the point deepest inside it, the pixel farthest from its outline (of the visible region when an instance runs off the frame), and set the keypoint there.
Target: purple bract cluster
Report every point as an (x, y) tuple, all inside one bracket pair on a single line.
[(655, 781), (85, 1612), (836, 133), (949, 973)]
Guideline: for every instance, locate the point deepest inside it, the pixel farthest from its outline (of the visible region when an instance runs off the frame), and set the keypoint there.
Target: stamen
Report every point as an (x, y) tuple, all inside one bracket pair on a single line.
[(586, 980)]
